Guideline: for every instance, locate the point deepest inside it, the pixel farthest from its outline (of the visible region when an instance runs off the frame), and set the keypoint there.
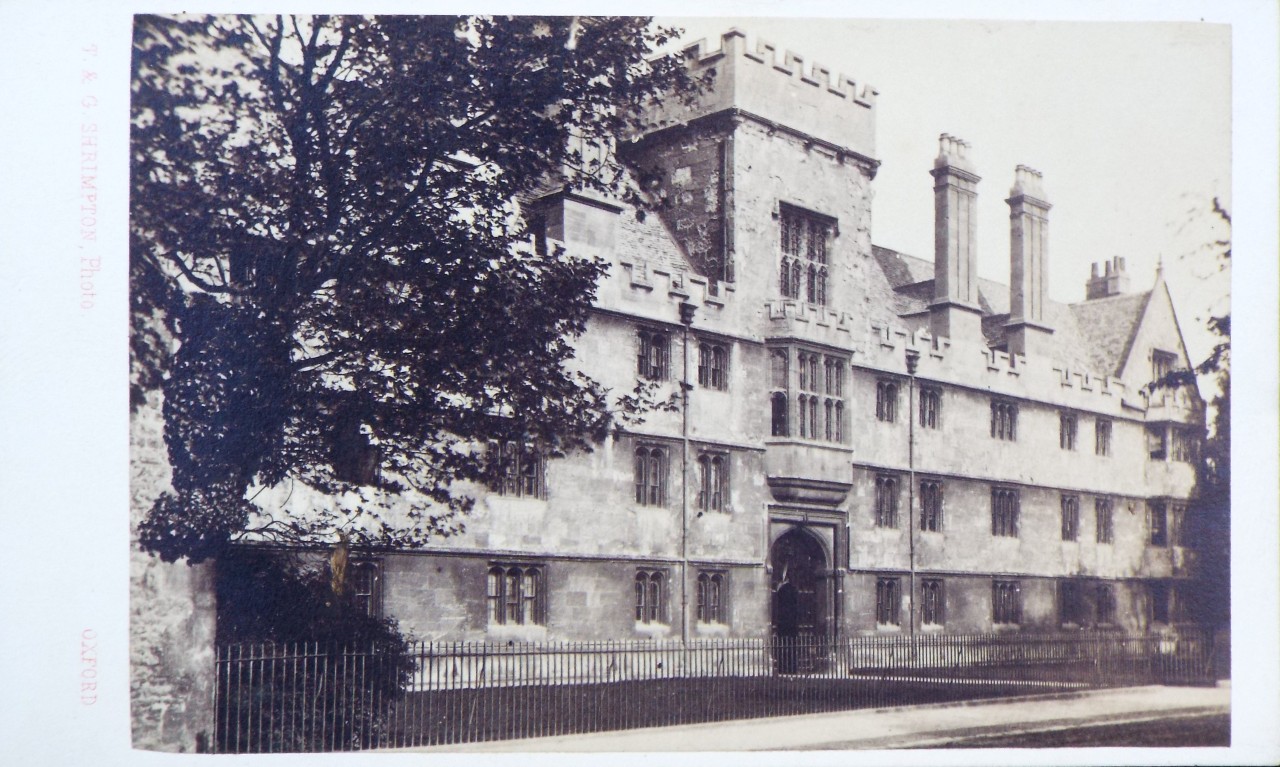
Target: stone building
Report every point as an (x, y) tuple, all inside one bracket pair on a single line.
[(869, 442)]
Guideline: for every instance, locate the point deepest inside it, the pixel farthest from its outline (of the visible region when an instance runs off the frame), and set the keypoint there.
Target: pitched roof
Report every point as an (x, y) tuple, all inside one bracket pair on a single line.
[(912, 278), (1111, 323), (1085, 338), (649, 242)]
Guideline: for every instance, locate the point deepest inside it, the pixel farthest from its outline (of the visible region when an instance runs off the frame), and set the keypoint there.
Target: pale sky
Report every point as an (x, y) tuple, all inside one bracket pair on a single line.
[(1130, 123)]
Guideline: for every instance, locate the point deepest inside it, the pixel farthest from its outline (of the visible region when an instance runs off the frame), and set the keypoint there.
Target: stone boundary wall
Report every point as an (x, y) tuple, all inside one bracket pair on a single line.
[(171, 615)]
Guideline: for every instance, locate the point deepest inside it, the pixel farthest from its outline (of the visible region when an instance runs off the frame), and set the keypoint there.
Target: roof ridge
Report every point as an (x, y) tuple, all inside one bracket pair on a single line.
[(1100, 299)]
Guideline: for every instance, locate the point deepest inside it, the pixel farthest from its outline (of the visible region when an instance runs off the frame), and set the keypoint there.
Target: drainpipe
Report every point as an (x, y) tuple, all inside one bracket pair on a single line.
[(913, 357), (686, 318)]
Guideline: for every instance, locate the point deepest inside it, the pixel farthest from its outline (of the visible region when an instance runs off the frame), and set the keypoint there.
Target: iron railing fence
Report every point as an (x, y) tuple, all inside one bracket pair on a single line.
[(312, 697)]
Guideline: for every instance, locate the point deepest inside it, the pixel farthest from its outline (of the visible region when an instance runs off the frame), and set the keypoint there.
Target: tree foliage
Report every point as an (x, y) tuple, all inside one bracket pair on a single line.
[(1209, 528), (1214, 480), (324, 219), (277, 605)]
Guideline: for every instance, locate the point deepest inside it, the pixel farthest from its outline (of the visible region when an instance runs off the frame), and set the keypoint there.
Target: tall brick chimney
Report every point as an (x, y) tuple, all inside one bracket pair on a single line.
[(1114, 282), (1028, 330), (955, 312)]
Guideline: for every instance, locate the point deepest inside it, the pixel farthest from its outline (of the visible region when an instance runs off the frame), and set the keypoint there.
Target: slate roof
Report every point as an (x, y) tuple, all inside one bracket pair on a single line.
[(649, 242), (912, 278), (1092, 336), (1112, 323)]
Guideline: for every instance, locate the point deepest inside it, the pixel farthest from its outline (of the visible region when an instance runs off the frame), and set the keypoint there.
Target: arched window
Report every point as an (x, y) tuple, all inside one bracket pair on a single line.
[(930, 407), (713, 490), (886, 401), (711, 597), (1006, 602), (713, 366), (514, 594), (652, 354), (650, 587), (650, 475), (930, 506), (1004, 420), (1004, 512), (1070, 517), (521, 470), (886, 501), (719, 367)]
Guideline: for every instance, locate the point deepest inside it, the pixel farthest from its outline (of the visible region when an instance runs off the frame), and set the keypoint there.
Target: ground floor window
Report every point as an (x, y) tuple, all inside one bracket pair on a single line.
[(1006, 603), (366, 587), (1158, 595), (651, 596), (711, 596), (515, 595), (932, 602), (1105, 604), (888, 602), (1070, 603)]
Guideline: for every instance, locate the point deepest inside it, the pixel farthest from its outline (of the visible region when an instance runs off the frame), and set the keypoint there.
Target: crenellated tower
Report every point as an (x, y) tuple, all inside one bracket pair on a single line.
[(774, 140)]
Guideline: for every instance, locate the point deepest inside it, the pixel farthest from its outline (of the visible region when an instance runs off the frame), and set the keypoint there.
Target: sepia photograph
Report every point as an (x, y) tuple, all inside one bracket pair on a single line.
[(553, 384)]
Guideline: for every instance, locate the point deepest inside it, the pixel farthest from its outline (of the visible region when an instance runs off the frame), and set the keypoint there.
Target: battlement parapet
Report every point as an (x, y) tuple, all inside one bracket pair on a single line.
[(780, 87), (887, 346), (1002, 361), (803, 320), (640, 277), (789, 63), (1086, 382)]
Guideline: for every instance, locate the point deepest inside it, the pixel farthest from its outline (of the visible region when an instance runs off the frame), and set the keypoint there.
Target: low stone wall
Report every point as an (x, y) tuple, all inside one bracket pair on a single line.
[(171, 615)]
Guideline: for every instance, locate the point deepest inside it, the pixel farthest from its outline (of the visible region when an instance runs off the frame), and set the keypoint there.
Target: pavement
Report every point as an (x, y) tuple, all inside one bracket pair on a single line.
[(902, 727)]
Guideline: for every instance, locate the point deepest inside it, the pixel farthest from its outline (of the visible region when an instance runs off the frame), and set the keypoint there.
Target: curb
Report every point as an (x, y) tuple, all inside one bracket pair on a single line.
[(945, 737), (923, 739)]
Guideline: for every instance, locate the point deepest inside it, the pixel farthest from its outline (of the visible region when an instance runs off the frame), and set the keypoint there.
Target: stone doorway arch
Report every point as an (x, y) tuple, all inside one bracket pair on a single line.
[(799, 607)]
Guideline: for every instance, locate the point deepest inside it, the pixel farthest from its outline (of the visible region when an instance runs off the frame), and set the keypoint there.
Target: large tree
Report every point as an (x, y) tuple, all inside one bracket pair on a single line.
[(324, 226)]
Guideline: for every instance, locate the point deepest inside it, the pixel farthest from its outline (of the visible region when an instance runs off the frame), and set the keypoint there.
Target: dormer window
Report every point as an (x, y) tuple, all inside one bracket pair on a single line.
[(1162, 364)]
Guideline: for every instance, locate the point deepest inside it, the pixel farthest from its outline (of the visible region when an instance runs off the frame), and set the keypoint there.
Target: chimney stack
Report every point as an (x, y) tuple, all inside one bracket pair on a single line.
[(1028, 329), (955, 312), (1114, 282)]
